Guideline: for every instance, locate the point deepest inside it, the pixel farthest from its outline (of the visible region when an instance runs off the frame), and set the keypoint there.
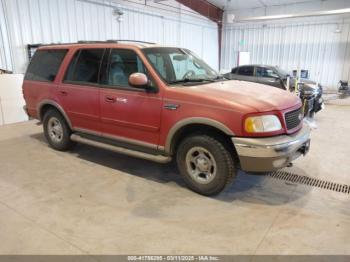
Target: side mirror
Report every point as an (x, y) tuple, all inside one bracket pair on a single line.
[(138, 80)]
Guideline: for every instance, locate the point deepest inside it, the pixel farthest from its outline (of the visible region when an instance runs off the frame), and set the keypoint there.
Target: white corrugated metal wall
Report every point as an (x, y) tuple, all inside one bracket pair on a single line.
[(53, 21), (24, 22), (5, 53), (315, 46)]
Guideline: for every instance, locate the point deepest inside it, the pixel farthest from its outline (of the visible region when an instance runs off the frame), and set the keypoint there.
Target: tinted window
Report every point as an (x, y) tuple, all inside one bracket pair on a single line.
[(45, 64), (70, 70), (234, 70), (122, 63), (85, 66), (265, 72), (246, 71)]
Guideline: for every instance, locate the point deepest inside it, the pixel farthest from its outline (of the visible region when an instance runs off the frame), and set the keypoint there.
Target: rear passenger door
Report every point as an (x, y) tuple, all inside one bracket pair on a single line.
[(79, 91), (128, 114)]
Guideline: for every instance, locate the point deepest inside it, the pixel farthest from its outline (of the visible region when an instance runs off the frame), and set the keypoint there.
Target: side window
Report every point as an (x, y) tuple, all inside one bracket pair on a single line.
[(158, 62), (123, 63), (85, 66), (45, 65), (246, 70), (265, 72), (234, 70)]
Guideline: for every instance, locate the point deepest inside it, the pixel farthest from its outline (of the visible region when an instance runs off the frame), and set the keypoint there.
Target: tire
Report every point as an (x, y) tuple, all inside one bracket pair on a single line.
[(205, 164), (312, 114), (57, 131)]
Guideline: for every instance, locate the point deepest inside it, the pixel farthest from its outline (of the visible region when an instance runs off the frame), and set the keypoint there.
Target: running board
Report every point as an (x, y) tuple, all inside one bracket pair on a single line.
[(121, 150)]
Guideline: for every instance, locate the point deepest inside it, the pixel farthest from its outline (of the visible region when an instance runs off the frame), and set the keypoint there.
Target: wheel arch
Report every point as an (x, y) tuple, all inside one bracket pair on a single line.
[(190, 124), (47, 104)]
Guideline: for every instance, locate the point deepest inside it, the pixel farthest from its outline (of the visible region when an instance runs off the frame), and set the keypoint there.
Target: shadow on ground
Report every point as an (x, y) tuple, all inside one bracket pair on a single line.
[(253, 188)]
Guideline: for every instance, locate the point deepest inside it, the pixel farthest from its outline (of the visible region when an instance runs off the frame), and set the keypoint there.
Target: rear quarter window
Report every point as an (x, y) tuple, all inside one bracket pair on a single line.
[(45, 64)]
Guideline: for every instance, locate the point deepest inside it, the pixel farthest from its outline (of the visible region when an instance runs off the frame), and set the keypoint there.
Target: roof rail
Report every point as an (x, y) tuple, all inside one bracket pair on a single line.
[(128, 40), (90, 42), (94, 42), (32, 47)]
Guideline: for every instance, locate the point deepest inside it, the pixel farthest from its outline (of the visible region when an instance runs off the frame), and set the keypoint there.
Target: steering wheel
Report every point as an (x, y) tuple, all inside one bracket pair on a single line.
[(188, 74)]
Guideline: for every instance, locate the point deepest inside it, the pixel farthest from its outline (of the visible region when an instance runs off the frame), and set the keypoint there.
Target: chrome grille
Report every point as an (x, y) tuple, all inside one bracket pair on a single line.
[(292, 118)]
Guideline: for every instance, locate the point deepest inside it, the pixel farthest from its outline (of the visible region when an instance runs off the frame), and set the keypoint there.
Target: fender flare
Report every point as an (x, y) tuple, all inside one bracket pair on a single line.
[(194, 120), (57, 106)]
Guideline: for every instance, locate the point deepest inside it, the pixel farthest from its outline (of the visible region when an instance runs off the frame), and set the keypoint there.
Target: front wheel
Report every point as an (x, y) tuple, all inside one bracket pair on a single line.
[(205, 164)]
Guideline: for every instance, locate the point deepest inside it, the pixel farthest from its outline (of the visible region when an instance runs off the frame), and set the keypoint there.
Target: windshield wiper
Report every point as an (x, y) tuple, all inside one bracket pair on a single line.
[(192, 80), (221, 78)]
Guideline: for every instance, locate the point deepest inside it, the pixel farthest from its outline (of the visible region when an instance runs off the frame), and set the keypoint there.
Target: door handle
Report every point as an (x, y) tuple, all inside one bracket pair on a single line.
[(63, 93), (122, 100), (109, 99)]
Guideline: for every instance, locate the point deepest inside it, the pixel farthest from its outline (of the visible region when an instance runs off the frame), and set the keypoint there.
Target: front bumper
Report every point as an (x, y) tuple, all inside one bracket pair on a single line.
[(271, 153), (319, 104)]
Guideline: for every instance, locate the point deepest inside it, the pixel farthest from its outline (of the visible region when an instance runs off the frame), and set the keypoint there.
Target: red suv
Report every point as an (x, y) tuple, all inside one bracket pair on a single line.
[(159, 103)]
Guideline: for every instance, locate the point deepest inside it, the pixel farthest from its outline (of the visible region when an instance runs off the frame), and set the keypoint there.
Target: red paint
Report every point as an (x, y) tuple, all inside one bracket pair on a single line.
[(141, 116)]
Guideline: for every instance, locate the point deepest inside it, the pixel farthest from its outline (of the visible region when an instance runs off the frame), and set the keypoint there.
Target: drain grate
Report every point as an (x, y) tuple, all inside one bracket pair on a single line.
[(310, 181)]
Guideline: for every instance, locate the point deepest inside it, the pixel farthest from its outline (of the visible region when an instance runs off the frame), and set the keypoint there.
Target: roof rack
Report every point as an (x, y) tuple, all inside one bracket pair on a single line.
[(128, 40), (92, 42), (32, 47), (114, 41), (89, 42)]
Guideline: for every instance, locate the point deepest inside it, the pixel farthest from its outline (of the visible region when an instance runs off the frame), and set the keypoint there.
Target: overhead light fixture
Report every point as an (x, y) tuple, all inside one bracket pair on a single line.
[(286, 16), (118, 13)]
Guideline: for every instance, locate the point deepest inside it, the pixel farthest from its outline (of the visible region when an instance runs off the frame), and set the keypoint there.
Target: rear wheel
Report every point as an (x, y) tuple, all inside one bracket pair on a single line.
[(57, 131), (205, 164)]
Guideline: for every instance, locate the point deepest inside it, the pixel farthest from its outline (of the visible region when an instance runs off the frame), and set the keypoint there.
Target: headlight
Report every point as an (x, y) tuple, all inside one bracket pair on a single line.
[(261, 124)]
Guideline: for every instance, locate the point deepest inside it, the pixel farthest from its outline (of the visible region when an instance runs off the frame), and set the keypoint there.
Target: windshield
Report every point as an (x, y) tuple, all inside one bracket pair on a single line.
[(177, 65)]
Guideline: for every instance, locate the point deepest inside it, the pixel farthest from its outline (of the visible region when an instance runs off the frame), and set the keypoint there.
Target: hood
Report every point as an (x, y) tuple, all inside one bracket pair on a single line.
[(307, 83), (245, 95), (309, 87)]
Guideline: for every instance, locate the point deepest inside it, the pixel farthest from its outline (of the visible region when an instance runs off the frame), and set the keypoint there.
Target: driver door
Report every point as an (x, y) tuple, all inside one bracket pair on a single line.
[(127, 113)]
